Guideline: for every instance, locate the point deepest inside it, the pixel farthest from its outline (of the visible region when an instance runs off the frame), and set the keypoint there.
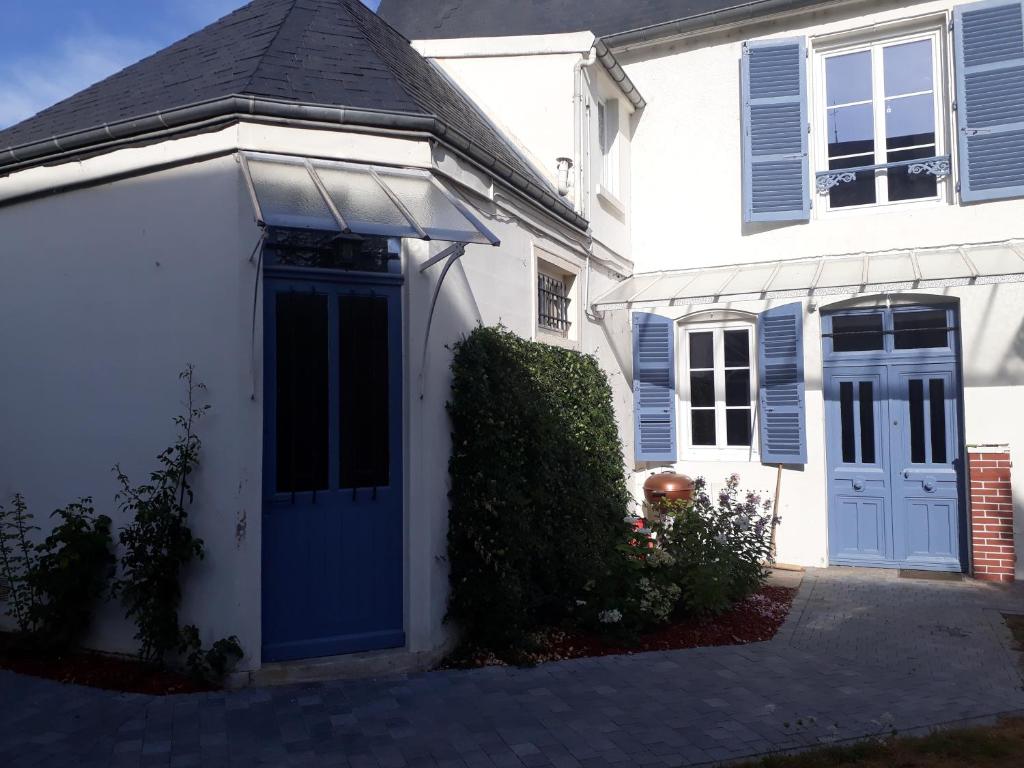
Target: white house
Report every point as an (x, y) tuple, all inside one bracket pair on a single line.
[(823, 204), (296, 203)]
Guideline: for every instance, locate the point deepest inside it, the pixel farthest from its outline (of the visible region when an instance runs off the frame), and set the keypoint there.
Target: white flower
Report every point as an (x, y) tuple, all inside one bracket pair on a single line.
[(581, 602), (612, 616)]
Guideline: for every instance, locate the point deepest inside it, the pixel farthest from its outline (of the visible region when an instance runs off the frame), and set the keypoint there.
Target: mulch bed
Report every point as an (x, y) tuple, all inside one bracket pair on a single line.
[(753, 620), (113, 673)]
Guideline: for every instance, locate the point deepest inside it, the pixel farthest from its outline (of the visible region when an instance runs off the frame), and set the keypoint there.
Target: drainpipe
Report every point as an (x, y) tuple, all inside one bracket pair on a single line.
[(581, 156), (579, 126)]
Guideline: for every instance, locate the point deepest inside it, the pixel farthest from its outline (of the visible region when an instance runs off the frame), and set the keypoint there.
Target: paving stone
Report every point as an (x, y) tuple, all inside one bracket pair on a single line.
[(862, 653)]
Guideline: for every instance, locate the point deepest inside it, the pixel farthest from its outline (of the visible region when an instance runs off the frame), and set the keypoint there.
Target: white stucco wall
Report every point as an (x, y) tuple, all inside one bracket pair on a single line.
[(992, 340), (687, 157), (108, 292), (527, 87)]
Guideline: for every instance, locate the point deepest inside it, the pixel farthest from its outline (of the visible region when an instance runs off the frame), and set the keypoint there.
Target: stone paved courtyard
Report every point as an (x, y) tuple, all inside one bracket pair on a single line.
[(863, 652)]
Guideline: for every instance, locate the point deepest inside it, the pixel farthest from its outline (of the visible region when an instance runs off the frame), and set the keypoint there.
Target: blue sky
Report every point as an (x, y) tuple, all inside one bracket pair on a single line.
[(54, 48)]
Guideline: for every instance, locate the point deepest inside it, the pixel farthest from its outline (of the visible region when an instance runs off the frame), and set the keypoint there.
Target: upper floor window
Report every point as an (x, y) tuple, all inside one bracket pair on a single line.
[(608, 139), (881, 121), (718, 386)]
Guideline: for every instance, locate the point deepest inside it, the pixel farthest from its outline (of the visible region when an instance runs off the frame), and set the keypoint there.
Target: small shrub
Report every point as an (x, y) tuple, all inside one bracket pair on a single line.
[(720, 549), (71, 574), (158, 542), (538, 493), (209, 665), (18, 560)]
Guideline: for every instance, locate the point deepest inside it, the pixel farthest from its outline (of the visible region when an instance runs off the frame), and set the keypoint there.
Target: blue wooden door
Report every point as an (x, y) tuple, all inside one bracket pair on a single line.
[(895, 469), (925, 465), (332, 510), (859, 482)]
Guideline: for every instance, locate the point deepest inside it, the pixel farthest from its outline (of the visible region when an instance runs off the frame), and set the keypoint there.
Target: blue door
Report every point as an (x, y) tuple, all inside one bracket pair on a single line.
[(895, 467), (332, 510)]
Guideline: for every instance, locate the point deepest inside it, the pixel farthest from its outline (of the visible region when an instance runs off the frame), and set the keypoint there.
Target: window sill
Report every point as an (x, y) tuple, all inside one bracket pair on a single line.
[(611, 200), (730, 454), (555, 338)]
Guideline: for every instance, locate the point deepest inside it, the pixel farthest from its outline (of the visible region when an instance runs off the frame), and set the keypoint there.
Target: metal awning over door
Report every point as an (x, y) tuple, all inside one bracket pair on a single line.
[(974, 264), (329, 196)]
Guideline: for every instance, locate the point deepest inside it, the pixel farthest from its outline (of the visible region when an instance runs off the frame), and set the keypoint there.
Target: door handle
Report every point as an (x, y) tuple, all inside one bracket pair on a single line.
[(906, 474)]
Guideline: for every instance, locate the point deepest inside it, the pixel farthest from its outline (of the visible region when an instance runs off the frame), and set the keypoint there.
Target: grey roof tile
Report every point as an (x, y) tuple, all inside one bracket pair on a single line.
[(431, 19)]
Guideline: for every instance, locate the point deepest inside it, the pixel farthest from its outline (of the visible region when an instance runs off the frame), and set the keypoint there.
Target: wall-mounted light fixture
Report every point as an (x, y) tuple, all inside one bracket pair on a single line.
[(564, 175)]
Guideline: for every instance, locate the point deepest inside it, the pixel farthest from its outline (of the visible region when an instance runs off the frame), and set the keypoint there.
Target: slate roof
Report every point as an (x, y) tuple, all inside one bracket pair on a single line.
[(432, 19), (324, 53)]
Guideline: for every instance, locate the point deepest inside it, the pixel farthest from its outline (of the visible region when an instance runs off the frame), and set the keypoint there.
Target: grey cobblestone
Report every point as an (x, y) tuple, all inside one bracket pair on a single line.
[(862, 653)]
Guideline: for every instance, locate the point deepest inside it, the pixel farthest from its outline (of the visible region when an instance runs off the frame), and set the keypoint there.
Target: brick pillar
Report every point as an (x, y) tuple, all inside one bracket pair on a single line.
[(993, 553)]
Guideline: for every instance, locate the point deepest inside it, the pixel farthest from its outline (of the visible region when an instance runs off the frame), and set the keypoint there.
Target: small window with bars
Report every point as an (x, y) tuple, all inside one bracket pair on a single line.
[(553, 304)]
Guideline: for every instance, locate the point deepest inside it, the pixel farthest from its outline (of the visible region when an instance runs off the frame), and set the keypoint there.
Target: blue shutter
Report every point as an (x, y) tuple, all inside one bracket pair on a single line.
[(780, 360), (776, 184), (989, 47), (654, 387)]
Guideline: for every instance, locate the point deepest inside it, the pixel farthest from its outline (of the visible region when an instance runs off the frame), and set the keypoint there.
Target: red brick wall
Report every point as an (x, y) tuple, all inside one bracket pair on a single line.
[(991, 514)]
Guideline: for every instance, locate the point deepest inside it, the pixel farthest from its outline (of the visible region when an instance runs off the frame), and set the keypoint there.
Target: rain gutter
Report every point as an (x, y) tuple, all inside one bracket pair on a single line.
[(208, 114), (737, 14)]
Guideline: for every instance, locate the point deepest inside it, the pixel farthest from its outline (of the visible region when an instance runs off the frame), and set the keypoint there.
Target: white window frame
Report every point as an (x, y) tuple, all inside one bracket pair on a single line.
[(608, 134), (721, 451), (933, 30), (547, 263)]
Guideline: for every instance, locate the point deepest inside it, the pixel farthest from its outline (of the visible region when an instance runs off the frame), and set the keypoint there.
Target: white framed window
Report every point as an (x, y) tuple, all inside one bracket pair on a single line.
[(557, 308), (608, 140), (718, 388), (880, 110)]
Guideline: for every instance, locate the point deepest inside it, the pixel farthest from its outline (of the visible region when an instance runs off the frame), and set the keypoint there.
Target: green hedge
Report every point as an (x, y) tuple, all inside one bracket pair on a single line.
[(538, 494)]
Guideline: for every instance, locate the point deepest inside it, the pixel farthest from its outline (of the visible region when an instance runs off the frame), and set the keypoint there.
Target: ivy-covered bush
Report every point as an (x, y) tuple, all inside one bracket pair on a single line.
[(538, 493)]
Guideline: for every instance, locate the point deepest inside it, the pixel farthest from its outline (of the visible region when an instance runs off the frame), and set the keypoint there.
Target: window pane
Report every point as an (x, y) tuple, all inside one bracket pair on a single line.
[(702, 350), (867, 423), (851, 130), (737, 387), (937, 411), (737, 426), (301, 405), (848, 78), (364, 397), (703, 423), (846, 422), (702, 388), (904, 185), (916, 396), (908, 67), (860, 191), (737, 349), (913, 330), (909, 122), (857, 333)]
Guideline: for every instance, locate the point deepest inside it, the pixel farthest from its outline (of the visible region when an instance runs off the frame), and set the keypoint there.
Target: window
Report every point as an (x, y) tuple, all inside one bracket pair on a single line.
[(719, 386), (608, 139), (898, 330), (881, 121), (558, 307), (552, 303)]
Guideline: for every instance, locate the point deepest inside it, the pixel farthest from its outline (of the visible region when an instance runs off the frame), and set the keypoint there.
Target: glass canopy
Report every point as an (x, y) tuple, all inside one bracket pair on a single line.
[(348, 198), (977, 263)]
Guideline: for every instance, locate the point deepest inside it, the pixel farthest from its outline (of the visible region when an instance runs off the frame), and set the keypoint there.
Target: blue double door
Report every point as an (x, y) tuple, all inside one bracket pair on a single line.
[(894, 462), (332, 509)]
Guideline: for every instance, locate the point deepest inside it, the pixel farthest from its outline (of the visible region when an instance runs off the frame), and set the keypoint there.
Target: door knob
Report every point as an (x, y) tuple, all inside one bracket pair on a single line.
[(906, 474), (858, 485)]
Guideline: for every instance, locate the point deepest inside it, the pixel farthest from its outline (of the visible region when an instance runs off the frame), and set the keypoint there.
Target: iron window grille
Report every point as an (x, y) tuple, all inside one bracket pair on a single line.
[(552, 304)]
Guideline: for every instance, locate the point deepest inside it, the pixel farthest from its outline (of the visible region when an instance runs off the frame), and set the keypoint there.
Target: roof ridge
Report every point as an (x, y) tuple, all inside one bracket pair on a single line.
[(270, 45)]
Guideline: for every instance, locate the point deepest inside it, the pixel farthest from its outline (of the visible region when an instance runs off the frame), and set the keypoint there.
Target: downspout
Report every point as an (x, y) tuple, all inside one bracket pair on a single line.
[(581, 156), (579, 139)]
